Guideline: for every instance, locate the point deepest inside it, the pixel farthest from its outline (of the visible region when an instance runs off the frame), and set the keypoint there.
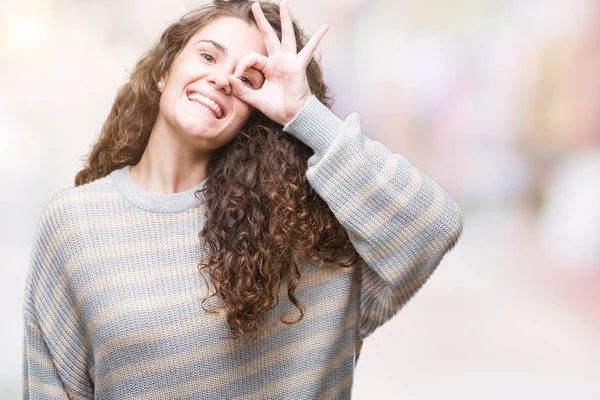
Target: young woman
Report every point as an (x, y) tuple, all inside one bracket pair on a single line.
[(229, 237)]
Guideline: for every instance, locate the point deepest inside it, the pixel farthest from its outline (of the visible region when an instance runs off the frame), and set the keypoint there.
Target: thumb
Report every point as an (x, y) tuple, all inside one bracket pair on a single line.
[(244, 92)]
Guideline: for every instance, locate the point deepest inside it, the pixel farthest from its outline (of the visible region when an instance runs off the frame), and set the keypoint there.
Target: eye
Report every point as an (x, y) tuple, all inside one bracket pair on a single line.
[(207, 57), (248, 81)]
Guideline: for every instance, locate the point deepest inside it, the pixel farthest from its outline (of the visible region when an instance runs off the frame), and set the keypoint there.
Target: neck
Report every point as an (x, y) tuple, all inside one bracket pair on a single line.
[(168, 164)]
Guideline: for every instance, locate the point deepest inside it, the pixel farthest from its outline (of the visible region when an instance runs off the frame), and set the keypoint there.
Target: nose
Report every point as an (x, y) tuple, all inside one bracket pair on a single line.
[(220, 82)]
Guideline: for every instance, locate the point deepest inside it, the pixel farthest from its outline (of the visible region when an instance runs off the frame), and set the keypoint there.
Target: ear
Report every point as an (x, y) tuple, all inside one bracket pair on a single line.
[(160, 85), (162, 82)]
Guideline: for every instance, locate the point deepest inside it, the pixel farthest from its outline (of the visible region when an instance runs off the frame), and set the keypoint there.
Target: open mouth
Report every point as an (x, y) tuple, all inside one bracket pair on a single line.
[(207, 104)]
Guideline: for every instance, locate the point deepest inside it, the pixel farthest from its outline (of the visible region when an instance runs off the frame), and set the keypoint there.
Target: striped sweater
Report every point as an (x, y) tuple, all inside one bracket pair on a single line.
[(113, 295)]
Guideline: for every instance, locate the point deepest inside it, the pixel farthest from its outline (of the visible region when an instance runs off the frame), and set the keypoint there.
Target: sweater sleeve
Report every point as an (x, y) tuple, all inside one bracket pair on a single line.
[(56, 357), (399, 220)]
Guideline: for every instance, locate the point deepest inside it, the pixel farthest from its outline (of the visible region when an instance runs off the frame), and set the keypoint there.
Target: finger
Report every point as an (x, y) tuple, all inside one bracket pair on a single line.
[(288, 39), (307, 52), (271, 40), (255, 60), (242, 91)]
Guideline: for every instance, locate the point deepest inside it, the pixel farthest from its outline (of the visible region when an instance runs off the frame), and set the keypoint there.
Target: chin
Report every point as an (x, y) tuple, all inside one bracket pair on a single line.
[(198, 127), (201, 134), (209, 140)]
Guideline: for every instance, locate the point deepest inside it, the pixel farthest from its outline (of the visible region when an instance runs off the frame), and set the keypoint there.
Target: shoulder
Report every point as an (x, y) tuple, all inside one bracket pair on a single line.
[(62, 233), (73, 203), (63, 227)]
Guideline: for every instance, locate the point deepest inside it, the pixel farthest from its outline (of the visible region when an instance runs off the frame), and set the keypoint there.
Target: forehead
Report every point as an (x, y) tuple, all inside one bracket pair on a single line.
[(239, 37)]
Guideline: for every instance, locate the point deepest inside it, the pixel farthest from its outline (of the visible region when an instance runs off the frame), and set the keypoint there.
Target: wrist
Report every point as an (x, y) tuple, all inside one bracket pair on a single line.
[(295, 109), (315, 125)]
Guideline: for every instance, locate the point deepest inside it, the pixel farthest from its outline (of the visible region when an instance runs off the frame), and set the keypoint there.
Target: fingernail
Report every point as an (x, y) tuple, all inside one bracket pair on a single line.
[(236, 73)]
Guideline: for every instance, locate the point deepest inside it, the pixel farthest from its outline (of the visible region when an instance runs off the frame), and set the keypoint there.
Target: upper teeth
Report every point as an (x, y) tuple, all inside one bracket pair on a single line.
[(214, 107)]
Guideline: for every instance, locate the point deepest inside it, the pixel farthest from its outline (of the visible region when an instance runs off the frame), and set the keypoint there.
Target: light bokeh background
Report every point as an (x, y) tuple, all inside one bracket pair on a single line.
[(497, 100)]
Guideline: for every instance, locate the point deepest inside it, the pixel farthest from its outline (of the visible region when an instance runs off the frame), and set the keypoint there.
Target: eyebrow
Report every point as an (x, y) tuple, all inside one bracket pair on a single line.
[(217, 45)]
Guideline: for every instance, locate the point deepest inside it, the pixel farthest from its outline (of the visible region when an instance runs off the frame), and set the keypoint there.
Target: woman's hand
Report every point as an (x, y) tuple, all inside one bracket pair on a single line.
[(285, 89)]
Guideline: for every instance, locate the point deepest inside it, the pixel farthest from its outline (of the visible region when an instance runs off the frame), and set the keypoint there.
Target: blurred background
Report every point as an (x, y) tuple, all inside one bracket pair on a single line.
[(497, 100)]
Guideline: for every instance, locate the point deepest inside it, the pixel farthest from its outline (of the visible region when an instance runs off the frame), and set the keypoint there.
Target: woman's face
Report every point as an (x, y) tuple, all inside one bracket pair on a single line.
[(196, 100)]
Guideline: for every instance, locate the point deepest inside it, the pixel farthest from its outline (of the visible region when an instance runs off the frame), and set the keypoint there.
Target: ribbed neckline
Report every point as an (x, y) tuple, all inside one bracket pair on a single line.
[(154, 202)]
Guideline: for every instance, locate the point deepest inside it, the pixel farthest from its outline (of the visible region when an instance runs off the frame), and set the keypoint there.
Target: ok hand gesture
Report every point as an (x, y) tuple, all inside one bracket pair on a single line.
[(285, 89)]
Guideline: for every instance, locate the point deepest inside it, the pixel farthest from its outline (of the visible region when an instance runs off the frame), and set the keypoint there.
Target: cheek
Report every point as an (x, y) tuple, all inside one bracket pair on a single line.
[(163, 103), (167, 103), (243, 111)]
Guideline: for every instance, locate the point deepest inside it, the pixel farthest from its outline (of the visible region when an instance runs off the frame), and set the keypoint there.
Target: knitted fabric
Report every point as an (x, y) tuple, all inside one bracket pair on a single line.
[(113, 295)]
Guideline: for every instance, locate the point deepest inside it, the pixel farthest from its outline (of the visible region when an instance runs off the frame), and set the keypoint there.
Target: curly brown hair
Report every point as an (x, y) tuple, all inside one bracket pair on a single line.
[(260, 209)]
